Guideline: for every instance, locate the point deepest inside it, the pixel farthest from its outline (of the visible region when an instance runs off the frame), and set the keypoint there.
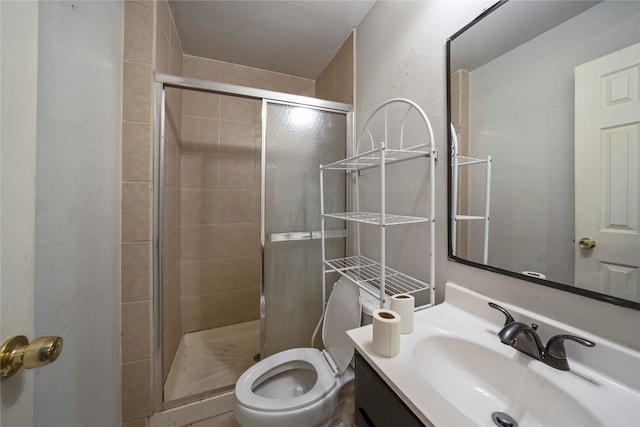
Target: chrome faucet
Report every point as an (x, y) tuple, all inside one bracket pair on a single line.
[(525, 339)]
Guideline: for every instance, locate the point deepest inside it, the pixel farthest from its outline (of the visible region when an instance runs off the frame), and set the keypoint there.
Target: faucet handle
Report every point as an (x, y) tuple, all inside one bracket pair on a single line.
[(555, 354), (509, 317)]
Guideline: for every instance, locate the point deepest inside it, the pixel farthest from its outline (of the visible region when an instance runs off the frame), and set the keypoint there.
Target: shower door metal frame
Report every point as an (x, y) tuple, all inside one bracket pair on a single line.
[(163, 81), (294, 236)]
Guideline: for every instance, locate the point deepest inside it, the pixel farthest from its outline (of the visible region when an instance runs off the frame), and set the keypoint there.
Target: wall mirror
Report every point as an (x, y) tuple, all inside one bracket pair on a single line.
[(544, 175)]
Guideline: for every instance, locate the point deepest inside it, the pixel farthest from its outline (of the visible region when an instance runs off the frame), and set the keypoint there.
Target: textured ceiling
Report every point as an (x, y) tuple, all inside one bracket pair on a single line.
[(291, 37)]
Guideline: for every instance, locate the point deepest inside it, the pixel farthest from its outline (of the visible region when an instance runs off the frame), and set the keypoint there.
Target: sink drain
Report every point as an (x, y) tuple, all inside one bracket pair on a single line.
[(503, 420)]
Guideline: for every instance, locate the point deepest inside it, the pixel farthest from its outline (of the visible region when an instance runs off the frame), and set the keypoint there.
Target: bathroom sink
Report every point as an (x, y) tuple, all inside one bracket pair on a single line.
[(480, 380), (453, 370)]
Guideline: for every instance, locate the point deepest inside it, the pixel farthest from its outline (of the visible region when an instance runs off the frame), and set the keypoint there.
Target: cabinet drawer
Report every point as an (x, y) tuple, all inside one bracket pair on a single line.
[(376, 404)]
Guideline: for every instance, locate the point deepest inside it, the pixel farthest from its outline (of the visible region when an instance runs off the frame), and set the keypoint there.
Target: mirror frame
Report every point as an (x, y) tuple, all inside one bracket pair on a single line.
[(560, 286)]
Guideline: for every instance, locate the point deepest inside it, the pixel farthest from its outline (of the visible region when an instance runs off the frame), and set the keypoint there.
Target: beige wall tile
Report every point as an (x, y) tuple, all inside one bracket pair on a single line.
[(199, 170), (171, 206), (199, 206), (170, 248), (200, 68), (335, 83), (219, 275), (136, 151), (239, 273), (136, 325), (237, 109), (210, 311), (239, 206), (320, 85), (344, 73), (137, 84), (171, 294), (237, 74), (239, 171), (163, 54), (174, 111), (176, 48), (172, 157), (218, 241), (271, 81), (171, 340), (199, 313), (136, 211), (136, 271), (136, 382), (138, 31), (238, 139), (200, 135), (201, 104), (238, 306), (301, 86), (240, 239), (201, 242), (164, 17)]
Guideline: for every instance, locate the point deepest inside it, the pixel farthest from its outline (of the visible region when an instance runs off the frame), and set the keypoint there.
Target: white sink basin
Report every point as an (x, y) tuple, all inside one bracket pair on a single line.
[(453, 370), (480, 380)]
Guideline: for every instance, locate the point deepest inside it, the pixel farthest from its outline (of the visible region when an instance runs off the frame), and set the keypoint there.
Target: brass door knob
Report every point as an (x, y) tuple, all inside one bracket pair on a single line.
[(587, 243), (17, 352)]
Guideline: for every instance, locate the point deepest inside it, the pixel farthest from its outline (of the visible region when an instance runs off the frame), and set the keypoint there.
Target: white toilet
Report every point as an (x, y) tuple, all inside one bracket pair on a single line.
[(299, 387)]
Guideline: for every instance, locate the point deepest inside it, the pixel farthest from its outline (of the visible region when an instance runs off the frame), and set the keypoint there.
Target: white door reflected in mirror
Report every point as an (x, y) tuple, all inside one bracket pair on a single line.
[(606, 174)]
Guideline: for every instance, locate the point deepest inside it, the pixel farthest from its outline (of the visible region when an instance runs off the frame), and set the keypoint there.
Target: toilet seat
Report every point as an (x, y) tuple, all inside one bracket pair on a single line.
[(273, 365), (280, 389)]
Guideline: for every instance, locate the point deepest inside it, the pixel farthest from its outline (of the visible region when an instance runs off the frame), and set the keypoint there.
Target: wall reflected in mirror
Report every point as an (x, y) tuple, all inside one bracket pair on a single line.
[(549, 92)]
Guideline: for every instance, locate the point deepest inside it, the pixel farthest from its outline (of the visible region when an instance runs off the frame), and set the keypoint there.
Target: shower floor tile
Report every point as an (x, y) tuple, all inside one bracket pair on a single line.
[(212, 359)]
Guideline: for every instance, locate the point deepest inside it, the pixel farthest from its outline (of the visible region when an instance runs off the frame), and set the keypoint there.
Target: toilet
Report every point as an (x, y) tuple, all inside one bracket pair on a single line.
[(299, 387)]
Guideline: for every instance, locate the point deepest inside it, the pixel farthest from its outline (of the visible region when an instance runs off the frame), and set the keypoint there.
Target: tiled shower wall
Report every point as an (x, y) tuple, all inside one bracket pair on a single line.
[(460, 119), (152, 44), (335, 83), (220, 196), (171, 308)]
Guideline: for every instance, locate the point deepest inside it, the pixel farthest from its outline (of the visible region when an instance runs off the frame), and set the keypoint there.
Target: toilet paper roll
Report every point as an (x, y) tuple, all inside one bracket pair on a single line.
[(386, 332), (534, 274), (404, 305)]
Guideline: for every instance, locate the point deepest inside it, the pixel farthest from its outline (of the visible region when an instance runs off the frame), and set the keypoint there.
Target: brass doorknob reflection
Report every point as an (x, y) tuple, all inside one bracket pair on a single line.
[(17, 352), (587, 243)]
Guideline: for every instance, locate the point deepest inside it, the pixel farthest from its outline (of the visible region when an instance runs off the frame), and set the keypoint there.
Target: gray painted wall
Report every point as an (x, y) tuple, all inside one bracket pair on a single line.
[(77, 247), (401, 52), (527, 231)]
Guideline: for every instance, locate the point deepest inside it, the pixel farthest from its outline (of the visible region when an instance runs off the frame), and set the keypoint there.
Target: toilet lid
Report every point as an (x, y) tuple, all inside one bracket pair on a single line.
[(342, 313)]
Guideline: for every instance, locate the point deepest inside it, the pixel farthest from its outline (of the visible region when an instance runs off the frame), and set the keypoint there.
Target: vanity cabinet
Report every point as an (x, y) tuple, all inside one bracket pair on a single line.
[(376, 404)]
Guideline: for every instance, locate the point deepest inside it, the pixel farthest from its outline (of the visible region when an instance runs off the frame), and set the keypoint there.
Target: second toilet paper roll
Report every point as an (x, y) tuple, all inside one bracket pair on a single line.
[(386, 332), (404, 305)]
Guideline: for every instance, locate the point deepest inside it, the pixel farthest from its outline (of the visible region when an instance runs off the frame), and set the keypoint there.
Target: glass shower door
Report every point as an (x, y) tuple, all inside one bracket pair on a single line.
[(297, 140)]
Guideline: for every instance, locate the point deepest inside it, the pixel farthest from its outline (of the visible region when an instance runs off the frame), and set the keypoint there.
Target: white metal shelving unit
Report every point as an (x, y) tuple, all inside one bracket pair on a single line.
[(456, 162), (374, 276)]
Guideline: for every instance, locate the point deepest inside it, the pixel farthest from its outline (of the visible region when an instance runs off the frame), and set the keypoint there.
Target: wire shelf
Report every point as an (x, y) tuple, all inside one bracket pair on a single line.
[(371, 159), (375, 218), (464, 160), (366, 271)]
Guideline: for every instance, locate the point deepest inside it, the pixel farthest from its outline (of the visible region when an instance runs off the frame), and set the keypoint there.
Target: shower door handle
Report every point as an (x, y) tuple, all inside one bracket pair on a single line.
[(305, 235)]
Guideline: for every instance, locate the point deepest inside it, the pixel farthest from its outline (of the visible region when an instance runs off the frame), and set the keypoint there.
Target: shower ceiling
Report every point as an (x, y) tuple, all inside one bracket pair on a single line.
[(292, 37)]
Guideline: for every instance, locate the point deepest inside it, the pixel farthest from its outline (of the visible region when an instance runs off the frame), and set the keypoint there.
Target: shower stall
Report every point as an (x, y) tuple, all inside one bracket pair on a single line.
[(237, 252)]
